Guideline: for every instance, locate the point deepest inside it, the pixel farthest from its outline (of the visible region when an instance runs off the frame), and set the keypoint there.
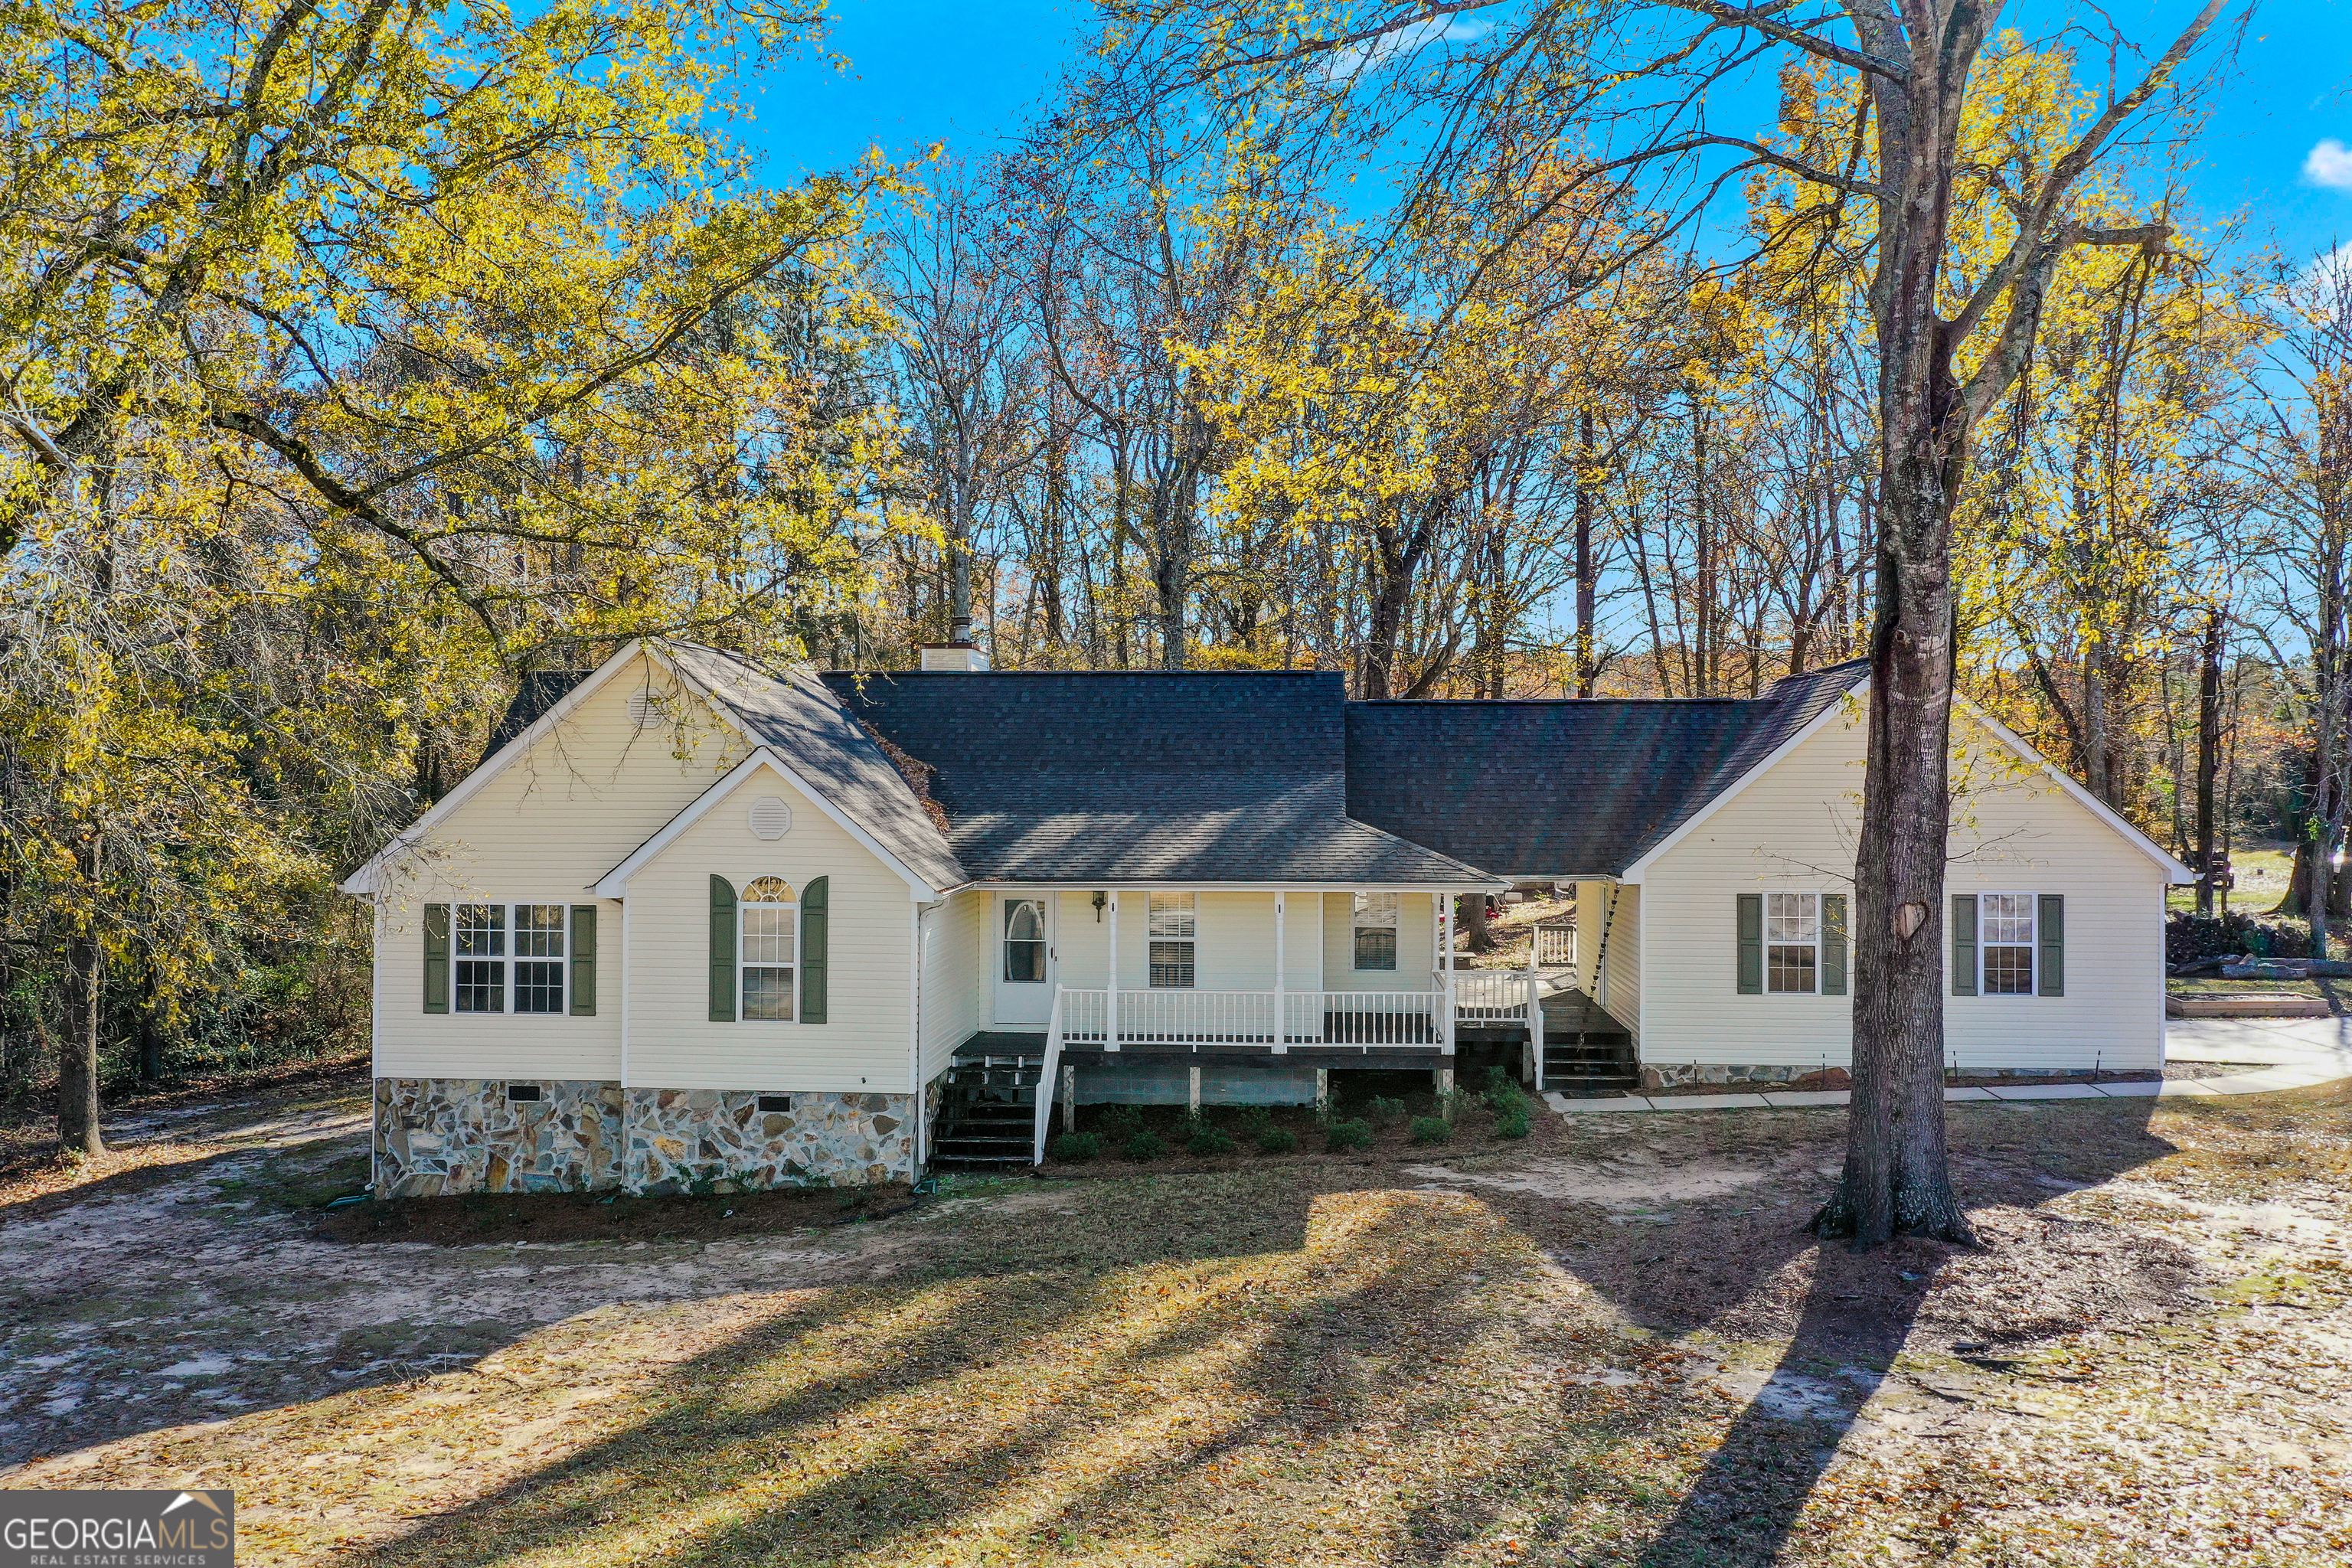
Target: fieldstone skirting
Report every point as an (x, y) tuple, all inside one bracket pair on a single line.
[(715, 1140), (444, 1136), (1676, 1075)]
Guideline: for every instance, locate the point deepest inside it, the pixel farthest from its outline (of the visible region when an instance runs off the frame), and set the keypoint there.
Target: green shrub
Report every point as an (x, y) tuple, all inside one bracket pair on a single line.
[(1273, 1140), (1384, 1111), (1514, 1125), (1355, 1134), (1431, 1130), (1207, 1140), (1077, 1146), (1256, 1119), (1121, 1120), (1144, 1145)]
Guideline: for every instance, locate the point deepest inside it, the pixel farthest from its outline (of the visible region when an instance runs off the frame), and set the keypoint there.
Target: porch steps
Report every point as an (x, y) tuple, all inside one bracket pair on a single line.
[(1586, 1051), (988, 1114)]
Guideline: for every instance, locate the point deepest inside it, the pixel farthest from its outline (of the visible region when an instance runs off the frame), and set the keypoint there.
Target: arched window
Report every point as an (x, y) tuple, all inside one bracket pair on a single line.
[(771, 917)]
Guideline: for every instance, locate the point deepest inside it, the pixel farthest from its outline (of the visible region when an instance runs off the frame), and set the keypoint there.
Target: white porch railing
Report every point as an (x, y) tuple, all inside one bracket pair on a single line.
[(1175, 1017), (1555, 947), (1490, 995), (1048, 1081)]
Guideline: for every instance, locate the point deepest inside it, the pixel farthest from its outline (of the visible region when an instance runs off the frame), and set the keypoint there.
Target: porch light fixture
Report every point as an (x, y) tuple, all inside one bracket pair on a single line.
[(1101, 897)]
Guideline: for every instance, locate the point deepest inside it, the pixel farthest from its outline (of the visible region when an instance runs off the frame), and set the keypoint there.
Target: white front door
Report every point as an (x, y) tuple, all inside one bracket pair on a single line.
[(1023, 954)]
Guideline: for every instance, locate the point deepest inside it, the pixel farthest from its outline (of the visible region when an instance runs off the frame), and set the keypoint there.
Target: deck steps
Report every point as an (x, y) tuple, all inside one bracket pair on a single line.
[(1586, 1051), (988, 1114)]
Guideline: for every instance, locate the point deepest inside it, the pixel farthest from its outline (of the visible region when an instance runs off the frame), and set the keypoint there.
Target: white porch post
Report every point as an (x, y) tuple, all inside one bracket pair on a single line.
[(1281, 1012), (1444, 923), (1111, 1029)]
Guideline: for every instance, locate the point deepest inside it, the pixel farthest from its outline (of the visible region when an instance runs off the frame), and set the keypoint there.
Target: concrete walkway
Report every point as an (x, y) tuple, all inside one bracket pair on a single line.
[(2281, 1053)]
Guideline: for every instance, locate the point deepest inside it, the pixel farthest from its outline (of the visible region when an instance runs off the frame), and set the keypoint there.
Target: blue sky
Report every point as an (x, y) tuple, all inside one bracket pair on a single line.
[(968, 74)]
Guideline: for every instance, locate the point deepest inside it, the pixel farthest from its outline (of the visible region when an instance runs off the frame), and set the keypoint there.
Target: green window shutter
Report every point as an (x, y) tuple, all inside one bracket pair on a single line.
[(815, 921), (1832, 944), (2052, 924), (583, 961), (722, 951), (1964, 945), (436, 958), (1751, 944)]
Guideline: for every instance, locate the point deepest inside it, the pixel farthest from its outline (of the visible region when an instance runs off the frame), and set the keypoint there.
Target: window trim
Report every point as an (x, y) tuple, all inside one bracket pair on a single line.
[(1768, 944), (2031, 944), (1375, 902), (508, 959), (1007, 905), (744, 904), (1190, 908)]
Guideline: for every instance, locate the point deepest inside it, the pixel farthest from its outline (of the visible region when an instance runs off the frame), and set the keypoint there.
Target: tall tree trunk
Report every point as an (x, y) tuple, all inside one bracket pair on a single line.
[(1588, 577), (1476, 934), (78, 1053), (2209, 752)]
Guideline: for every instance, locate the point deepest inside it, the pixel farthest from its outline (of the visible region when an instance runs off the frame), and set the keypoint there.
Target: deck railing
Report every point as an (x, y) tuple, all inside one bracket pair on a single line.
[(1555, 947)]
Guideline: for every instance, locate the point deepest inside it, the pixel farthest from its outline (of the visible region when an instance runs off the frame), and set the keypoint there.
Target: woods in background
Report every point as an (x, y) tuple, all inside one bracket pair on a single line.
[(364, 362)]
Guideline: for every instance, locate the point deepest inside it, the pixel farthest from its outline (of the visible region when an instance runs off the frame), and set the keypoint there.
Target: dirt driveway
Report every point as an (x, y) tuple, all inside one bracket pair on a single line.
[(1616, 1346)]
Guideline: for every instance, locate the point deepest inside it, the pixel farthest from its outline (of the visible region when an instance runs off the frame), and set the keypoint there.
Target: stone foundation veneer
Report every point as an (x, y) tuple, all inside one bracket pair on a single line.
[(719, 1140), (1674, 1075), (444, 1136)]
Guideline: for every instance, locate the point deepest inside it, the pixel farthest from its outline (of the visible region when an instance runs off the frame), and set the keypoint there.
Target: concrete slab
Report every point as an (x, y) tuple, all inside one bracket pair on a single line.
[(1952, 1094), (2256, 1039), (2147, 1091), (2174, 1088), (2049, 1092), (1788, 1098), (2269, 1081), (1568, 1107), (1709, 1101)]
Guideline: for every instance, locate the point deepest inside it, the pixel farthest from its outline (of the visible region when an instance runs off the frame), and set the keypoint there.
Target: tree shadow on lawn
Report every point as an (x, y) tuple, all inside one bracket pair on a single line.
[(1714, 1275), (1045, 1407)]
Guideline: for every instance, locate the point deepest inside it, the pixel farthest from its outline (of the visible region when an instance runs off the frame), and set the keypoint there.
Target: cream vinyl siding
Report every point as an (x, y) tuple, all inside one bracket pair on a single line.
[(1081, 939), (1623, 960), (591, 791), (2016, 831), (1416, 944), (955, 977), (862, 1045)]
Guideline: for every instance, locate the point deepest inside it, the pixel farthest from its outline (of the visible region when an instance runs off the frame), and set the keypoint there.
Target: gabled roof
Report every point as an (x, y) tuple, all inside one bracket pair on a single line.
[(614, 883), (797, 715), (794, 716), (1115, 776), (1568, 786)]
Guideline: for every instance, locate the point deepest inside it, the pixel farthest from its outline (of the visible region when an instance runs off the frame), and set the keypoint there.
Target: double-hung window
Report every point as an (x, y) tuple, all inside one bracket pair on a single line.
[(1375, 931), (509, 958), (2005, 938), (1173, 935), (1792, 942), (771, 917)]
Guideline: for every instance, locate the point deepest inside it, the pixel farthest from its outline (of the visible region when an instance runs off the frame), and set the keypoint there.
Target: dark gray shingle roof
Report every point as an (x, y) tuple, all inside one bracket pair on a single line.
[(1565, 787), (1143, 776), (797, 715)]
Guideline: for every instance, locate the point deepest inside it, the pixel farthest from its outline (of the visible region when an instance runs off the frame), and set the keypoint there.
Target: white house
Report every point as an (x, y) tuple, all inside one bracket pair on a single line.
[(693, 922)]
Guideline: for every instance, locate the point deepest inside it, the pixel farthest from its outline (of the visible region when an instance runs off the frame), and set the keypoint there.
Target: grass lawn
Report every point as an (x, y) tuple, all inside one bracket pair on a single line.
[(2264, 871), (1618, 1347)]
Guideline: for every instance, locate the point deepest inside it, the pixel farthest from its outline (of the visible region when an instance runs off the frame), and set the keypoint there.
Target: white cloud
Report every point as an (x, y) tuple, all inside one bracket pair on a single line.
[(2329, 164), (1404, 40)]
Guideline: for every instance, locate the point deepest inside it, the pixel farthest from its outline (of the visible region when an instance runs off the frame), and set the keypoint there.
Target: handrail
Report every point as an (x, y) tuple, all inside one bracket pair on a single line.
[(1045, 1079)]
